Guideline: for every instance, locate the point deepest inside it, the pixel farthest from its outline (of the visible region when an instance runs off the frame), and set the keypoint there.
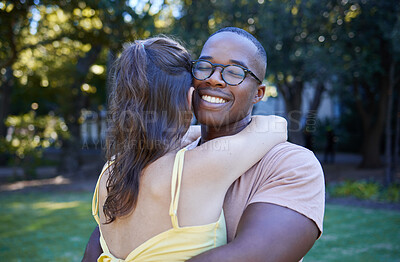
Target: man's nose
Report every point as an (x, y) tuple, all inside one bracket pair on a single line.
[(215, 79)]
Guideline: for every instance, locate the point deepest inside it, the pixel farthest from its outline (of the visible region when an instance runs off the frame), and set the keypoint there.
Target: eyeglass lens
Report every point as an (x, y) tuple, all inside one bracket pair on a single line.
[(231, 74)]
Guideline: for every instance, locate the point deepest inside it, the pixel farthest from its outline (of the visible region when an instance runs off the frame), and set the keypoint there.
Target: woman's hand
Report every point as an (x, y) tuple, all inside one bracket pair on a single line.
[(276, 126)]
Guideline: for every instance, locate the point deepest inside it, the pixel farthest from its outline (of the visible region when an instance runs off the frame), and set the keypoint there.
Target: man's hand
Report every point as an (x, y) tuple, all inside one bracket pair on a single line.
[(267, 232), (93, 249)]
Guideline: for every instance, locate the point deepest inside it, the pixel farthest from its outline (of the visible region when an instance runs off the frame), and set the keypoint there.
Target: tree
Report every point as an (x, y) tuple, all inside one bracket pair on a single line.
[(193, 24), (13, 20), (14, 23), (55, 44), (364, 30)]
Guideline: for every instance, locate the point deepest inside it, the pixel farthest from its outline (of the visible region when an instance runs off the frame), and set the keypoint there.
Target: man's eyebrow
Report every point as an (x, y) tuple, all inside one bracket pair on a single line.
[(233, 61), (205, 57), (238, 62)]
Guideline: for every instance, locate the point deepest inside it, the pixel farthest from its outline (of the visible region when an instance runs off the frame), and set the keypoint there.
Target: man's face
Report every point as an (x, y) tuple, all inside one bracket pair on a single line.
[(232, 103)]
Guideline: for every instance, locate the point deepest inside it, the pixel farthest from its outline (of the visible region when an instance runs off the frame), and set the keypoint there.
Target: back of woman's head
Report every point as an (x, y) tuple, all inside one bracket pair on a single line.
[(148, 114)]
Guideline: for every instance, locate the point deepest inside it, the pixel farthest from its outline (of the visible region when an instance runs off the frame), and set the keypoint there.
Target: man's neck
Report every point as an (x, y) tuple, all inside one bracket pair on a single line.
[(208, 133)]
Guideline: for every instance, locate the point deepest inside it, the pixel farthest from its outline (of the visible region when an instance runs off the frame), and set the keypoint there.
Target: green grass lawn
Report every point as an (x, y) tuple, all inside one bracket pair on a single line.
[(56, 227), (358, 234), (45, 226)]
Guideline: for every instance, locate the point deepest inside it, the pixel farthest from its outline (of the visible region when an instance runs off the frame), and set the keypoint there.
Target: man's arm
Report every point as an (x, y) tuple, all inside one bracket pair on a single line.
[(93, 249), (267, 232)]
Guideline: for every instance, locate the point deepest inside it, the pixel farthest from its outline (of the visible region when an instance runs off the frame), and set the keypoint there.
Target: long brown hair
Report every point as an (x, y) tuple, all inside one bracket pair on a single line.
[(148, 115)]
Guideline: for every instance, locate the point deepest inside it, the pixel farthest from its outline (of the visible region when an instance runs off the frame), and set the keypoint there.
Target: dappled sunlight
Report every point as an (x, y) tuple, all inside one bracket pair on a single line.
[(59, 180), (56, 205)]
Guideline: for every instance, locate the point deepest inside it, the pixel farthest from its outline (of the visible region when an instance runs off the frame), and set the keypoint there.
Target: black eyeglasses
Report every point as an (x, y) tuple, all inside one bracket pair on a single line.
[(232, 74)]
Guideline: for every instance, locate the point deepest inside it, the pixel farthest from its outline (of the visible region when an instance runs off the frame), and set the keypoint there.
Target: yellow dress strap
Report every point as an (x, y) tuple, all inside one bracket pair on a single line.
[(176, 186), (95, 201)]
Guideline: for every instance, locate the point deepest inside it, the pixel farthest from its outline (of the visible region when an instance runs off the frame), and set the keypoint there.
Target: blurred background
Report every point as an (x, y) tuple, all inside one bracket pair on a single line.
[(333, 73)]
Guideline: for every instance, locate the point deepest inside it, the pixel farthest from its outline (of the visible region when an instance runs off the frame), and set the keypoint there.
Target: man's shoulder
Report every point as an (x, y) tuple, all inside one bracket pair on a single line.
[(288, 175), (286, 152), (286, 159), (287, 146)]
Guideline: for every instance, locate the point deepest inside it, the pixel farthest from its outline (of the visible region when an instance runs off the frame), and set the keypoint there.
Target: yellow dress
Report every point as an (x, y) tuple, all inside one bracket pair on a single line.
[(175, 244)]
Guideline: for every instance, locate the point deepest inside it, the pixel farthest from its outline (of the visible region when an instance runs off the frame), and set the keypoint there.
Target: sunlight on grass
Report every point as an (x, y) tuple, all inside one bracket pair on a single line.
[(45, 226), (57, 226), (55, 206)]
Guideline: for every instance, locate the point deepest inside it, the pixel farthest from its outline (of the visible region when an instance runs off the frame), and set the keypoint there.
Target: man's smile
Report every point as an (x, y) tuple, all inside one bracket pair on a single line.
[(213, 99)]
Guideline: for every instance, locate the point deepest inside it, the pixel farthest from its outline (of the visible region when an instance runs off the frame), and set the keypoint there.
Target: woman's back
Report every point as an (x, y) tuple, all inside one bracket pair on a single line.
[(199, 216)]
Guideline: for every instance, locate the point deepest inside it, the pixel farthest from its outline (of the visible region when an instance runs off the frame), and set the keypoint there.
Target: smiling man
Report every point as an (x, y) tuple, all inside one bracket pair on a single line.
[(225, 88), (274, 211)]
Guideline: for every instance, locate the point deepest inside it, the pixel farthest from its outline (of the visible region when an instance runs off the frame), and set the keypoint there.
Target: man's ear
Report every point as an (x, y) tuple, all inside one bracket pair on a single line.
[(190, 96), (259, 94)]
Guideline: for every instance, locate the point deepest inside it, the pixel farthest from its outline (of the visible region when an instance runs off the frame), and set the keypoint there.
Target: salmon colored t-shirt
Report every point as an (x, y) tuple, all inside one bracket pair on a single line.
[(288, 175)]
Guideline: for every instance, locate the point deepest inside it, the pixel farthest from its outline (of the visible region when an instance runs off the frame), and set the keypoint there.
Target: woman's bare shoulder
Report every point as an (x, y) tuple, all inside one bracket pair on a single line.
[(156, 177), (105, 174)]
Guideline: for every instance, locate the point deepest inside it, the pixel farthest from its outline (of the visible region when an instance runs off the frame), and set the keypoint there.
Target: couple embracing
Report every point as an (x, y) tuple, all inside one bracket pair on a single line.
[(230, 190)]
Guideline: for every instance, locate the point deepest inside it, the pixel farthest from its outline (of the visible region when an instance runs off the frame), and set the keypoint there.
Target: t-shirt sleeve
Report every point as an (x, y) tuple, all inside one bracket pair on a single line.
[(292, 177)]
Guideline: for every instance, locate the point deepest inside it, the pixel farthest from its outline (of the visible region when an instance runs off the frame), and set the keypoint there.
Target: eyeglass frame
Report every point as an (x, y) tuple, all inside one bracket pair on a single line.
[(213, 66)]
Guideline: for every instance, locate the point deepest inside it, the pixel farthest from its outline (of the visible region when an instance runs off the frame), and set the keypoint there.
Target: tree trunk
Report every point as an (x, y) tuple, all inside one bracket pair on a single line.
[(5, 96), (313, 109), (373, 121), (292, 94), (397, 135), (294, 115), (71, 160), (5, 102), (388, 144), (371, 149)]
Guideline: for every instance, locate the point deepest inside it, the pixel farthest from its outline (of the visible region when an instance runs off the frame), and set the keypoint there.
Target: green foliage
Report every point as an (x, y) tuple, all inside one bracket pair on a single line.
[(30, 136), (366, 190), (58, 52), (392, 193), (359, 189), (289, 31)]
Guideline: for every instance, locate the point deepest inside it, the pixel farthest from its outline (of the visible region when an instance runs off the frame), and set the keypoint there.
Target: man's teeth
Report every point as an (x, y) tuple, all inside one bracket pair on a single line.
[(214, 100)]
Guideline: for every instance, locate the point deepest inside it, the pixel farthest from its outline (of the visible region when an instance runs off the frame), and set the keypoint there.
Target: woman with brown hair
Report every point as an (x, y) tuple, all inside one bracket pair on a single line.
[(150, 172)]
